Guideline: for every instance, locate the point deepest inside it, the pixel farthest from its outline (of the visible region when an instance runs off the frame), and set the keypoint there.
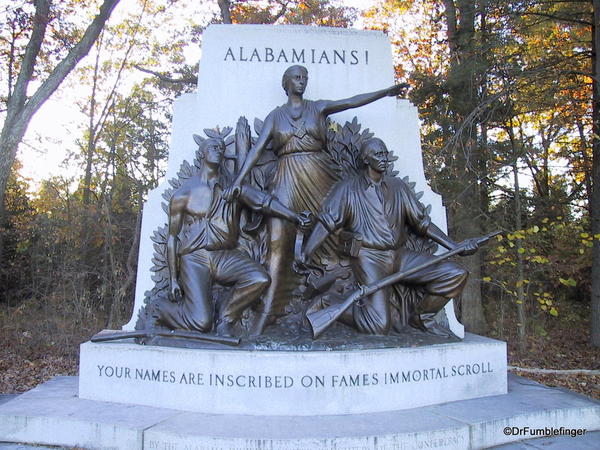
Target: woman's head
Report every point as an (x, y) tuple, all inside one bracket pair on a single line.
[(295, 79)]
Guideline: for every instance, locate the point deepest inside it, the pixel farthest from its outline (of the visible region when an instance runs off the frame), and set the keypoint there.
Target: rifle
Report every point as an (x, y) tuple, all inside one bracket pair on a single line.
[(182, 334), (321, 320)]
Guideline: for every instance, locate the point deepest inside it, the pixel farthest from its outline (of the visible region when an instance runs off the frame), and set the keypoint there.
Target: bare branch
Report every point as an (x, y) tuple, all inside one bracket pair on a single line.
[(224, 6), (558, 18), (476, 112), (110, 101), (40, 21), (166, 78), (281, 12), (69, 62), (20, 111)]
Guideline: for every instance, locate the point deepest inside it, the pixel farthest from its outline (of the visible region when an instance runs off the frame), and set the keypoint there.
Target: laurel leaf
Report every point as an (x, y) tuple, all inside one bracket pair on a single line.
[(157, 277), (212, 133)]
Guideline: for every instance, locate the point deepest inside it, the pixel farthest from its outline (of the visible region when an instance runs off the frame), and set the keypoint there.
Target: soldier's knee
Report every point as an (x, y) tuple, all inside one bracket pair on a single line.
[(382, 328), (263, 279), (455, 272), (462, 274), (379, 325), (204, 324)]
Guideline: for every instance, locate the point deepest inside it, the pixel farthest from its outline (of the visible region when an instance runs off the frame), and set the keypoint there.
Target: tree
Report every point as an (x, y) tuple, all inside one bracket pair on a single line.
[(20, 107), (595, 207), (19, 232), (183, 78), (304, 12), (576, 67), (463, 197), (481, 72), (448, 79)]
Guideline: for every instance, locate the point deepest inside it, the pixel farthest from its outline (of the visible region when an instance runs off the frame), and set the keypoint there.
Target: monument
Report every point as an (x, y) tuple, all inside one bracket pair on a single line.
[(295, 284), (262, 282)]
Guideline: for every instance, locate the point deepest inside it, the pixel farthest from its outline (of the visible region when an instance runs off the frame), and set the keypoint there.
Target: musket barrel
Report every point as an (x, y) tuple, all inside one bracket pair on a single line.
[(182, 334)]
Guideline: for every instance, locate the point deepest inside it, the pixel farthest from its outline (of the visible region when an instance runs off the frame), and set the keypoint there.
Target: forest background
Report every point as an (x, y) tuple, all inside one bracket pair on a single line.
[(508, 94)]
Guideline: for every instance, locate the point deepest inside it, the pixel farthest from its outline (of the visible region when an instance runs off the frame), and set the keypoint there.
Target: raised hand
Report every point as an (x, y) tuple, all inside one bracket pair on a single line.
[(243, 139), (232, 192), (305, 221), (470, 246), (397, 89)]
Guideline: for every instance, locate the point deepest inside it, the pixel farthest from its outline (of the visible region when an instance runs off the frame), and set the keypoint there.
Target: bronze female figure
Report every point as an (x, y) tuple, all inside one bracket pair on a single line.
[(303, 177)]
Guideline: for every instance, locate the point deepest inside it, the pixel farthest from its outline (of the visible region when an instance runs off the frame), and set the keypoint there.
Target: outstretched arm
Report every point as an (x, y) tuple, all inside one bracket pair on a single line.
[(251, 159), (437, 235), (268, 204), (420, 222), (335, 106)]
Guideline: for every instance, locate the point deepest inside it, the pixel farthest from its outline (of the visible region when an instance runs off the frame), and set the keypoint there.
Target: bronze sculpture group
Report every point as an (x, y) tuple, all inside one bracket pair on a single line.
[(327, 214)]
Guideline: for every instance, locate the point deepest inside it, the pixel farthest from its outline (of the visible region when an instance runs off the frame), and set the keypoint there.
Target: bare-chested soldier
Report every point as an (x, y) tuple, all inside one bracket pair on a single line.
[(208, 251)]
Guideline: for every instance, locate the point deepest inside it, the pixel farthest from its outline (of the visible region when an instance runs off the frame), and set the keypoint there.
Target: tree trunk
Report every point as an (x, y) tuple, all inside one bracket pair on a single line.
[(224, 6), (595, 207), (464, 224), (463, 197), (587, 166), (21, 109), (521, 314)]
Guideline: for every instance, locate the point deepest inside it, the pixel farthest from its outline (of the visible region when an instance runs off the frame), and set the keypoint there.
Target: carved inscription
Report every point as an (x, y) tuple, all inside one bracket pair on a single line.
[(283, 381), (350, 57)]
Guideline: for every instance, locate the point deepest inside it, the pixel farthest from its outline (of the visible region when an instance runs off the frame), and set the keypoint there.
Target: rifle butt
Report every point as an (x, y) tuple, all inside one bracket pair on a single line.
[(320, 320)]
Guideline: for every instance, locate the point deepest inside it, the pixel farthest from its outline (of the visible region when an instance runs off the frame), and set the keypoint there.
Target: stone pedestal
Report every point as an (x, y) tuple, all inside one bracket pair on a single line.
[(300, 383), (53, 414)]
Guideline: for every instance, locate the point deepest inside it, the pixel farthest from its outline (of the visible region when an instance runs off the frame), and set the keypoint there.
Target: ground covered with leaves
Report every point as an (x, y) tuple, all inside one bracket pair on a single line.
[(561, 343), (40, 340), (19, 374), (35, 352)]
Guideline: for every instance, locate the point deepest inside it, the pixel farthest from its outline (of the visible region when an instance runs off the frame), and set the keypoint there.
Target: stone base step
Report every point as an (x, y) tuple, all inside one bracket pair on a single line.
[(52, 414)]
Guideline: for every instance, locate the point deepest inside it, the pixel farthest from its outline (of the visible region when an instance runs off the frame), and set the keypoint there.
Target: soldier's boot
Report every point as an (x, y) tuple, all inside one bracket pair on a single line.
[(261, 321), (225, 328), (424, 316)]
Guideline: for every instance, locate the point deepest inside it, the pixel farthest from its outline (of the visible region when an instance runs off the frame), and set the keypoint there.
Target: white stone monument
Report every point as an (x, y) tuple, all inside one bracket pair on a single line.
[(240, 74), (131, 396)]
